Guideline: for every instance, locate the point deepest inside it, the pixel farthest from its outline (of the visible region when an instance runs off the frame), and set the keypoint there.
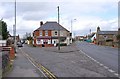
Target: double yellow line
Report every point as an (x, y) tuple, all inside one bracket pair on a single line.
[(48, 74)]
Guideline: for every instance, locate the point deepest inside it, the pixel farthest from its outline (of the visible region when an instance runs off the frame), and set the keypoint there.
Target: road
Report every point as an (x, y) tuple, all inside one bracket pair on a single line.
[(68, 62), (103, 54)]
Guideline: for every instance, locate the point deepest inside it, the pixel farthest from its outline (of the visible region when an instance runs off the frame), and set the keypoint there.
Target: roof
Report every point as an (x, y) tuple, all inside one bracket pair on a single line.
[(51, 25), (91, 35), (108, 32)]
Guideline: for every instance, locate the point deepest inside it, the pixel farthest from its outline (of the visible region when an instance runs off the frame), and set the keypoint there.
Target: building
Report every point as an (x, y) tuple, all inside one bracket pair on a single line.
[(108, 38), (13, 37), (79, 38), (47, 34), (93, 38)]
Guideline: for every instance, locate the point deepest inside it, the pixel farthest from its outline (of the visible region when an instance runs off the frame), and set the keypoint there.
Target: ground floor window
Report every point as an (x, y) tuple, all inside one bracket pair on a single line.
[(39, 41), (45, 42)]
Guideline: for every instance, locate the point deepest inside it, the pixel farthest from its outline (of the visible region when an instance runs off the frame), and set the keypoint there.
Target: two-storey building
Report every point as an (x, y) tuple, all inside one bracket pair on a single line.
[(106, 37), (47, 34)]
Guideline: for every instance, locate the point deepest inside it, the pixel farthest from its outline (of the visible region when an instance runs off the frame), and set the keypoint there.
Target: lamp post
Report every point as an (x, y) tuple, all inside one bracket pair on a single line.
[(15, 28), (71, 29)]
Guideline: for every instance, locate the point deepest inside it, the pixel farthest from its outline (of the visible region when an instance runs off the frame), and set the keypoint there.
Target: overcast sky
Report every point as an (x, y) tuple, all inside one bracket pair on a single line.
[(89, 14)]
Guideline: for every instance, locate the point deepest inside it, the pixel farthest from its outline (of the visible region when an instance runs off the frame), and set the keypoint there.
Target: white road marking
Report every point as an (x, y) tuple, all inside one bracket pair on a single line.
[(110, 70), (105, 67), (101, 64), (73, 61)]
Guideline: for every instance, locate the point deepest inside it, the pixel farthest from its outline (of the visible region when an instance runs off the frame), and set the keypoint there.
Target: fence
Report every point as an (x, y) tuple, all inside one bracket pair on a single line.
[(6, 55)]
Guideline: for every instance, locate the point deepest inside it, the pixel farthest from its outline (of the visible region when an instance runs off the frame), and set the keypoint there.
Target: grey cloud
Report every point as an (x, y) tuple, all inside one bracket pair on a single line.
[(9, 9), (35, 16), (35, 11), (29, 9), (44, 10), (31, 6)]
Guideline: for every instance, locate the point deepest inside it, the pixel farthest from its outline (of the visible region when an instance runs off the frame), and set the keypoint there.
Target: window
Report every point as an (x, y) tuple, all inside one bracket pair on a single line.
[(55, 32), (45, 42), (40, 33), (105, 37), (62, 33), (46, 33), (38, 41), (54, 42)]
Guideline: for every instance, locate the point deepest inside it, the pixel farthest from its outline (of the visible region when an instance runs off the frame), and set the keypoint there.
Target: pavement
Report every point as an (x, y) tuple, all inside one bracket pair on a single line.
[(22, 67), (63, 49), (67, 62)]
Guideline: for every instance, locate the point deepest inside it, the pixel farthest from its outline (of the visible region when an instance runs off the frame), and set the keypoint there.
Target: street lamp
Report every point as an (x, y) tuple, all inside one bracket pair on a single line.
[(71, 28)]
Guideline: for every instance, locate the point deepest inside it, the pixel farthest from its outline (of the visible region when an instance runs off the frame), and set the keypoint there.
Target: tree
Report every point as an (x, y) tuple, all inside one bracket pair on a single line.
[(3, 30), (0, 27), (28, 36)]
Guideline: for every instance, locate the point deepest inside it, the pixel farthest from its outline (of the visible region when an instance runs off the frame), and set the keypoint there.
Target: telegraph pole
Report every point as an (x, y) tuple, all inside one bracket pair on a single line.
[(58, 31)]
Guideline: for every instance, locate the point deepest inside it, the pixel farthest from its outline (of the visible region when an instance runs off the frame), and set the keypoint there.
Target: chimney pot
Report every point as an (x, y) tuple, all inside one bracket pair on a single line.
[(41, 23)]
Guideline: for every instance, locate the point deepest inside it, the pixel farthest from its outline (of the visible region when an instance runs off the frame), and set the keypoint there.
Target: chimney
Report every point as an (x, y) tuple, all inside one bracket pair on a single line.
[(98, 29), (41, 23)]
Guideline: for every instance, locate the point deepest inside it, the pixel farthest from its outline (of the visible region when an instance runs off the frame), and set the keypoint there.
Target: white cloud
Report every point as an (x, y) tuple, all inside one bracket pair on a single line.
[(89, 14), (84, 26), (59, 0)]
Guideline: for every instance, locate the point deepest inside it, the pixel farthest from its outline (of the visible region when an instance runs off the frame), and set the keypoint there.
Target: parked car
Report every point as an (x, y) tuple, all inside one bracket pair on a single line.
[(20, 45)]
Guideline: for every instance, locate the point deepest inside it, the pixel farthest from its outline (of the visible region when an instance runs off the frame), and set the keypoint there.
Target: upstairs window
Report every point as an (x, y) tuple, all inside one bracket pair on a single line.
[(40, 33), (55, 32), (46, 33)]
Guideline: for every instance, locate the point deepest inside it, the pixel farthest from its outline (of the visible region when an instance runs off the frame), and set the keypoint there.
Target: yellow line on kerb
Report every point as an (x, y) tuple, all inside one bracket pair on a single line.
[(48, 73), (52, 76)]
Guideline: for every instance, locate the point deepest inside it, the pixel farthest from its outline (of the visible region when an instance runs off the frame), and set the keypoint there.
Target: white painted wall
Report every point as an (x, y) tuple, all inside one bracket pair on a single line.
[(49, 41), (56, 41), (3, 42), (93, 37), (41, 41)]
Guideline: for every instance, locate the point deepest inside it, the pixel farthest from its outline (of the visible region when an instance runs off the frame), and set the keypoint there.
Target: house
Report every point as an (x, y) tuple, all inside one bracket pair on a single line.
[(108, 38), (79, 38), (47, 34), (91, 37), (13, 37)]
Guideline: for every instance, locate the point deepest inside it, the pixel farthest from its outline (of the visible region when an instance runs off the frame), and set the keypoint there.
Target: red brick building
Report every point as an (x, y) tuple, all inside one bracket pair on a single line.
[(47, 34)]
